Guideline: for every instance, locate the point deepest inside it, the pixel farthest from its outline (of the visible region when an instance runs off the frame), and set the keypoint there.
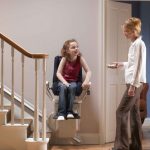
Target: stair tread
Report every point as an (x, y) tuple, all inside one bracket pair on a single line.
[(6, 107), (25, 120)]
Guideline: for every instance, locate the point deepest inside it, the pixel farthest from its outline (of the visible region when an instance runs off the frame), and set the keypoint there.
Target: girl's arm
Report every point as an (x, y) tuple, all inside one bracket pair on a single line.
[(86, 82), (60, 70)]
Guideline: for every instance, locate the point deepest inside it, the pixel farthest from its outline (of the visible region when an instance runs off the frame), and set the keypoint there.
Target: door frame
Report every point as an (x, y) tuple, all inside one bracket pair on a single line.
[(102, 17), (102, 69)]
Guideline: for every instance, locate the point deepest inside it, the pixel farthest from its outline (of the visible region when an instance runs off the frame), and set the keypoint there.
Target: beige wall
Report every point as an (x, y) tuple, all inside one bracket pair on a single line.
[(41, 26)]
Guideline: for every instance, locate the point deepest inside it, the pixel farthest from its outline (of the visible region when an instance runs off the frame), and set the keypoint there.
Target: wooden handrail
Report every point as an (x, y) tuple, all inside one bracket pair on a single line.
[(22, 50)]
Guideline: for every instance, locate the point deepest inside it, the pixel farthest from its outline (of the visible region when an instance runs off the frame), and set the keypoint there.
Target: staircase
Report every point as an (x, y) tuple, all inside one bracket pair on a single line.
[(15, 134), (16, 137), (13, 137)]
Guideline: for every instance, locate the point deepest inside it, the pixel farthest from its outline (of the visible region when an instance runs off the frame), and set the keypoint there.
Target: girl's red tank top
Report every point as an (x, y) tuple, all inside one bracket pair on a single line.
[(71, 70)]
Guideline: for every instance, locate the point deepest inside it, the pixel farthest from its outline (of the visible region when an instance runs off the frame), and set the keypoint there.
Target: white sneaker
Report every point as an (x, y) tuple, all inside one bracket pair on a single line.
[(70, 116), (61, 118)]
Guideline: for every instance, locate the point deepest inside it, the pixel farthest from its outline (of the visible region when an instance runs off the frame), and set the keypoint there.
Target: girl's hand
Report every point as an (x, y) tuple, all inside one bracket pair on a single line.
[(67, 84), (131, 91), (86, 85)]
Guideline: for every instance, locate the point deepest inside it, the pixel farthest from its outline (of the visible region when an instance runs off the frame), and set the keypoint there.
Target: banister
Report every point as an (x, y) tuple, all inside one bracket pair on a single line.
[(36, 57), (22, 50)]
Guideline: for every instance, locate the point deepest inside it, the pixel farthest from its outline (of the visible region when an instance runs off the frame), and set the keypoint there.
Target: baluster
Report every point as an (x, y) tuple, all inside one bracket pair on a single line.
[(2, 74), (36, 115), (12, 93), (22, 98), (44, 102)]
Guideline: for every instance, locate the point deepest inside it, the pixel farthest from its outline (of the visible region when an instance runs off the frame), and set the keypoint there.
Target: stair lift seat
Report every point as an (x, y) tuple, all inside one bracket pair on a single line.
[(53, 92)]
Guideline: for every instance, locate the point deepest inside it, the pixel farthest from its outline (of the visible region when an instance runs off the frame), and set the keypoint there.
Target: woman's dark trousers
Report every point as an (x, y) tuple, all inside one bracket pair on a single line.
[(128, 104)]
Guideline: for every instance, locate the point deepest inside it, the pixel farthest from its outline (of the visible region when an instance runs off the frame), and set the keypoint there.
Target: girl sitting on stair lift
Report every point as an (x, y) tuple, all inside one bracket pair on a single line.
[(67, 73)]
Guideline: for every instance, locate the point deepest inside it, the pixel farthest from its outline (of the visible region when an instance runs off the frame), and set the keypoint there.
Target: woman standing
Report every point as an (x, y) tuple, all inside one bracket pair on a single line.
[(135, 76)]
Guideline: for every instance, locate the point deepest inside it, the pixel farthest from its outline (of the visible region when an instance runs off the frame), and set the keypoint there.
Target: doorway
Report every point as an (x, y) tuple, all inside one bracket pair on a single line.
[(116, 47)]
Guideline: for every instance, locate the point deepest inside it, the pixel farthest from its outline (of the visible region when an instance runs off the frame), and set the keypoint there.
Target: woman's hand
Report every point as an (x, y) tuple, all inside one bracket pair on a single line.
[(131, 91), (115, 65)]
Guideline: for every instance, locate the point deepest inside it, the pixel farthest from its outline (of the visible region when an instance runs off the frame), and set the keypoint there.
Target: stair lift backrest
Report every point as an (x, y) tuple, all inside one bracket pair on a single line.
[(55, 88)]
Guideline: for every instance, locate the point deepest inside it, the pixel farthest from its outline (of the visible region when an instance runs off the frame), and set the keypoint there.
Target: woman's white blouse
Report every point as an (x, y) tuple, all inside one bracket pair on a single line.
[(135, 68)]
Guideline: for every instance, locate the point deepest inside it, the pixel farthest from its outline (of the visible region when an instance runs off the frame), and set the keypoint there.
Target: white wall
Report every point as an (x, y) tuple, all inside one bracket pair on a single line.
[(42, 26)]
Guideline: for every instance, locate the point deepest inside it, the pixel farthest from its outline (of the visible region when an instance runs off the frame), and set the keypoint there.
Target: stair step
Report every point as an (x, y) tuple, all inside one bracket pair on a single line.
[(13, 137), (30, 125), (36, 145), (8, 115), (3, 116), (26, 121), (6, 118)]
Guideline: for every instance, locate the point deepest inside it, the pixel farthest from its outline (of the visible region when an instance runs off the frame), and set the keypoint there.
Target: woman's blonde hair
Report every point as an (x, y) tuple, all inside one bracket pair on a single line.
[(133, 24)]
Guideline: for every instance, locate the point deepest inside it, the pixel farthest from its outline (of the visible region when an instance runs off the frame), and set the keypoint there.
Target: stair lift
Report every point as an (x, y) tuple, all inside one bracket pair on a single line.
[(68, 128)]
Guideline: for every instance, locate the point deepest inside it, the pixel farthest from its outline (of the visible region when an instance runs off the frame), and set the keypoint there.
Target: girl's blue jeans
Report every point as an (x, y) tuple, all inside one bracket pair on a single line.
[(66, 98)]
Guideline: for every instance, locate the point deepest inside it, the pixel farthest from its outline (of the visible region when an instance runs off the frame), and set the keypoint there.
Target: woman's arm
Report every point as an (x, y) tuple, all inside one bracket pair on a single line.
[(137, 65), (137, 70), (86, 82), (60, 70), (115, 65)]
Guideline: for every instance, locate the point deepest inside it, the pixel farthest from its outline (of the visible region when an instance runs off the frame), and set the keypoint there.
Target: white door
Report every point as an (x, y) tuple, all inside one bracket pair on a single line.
[(116, 50)]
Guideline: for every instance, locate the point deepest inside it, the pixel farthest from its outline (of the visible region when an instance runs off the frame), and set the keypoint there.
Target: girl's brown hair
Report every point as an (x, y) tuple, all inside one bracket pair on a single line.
[(65, 48), (133, 24)]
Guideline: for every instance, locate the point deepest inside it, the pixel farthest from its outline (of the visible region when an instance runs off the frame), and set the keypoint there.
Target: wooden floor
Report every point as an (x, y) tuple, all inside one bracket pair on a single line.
[(146, 142), (86, 147)]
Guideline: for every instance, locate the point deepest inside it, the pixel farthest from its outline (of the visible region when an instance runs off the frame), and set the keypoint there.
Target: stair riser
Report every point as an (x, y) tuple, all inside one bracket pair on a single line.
[(13, 137), (3, 117)]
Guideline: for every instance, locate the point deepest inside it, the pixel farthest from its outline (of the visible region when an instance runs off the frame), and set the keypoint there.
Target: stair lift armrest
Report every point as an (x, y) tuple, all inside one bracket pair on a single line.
[(83, 95), (53, 98), (49, 91)]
